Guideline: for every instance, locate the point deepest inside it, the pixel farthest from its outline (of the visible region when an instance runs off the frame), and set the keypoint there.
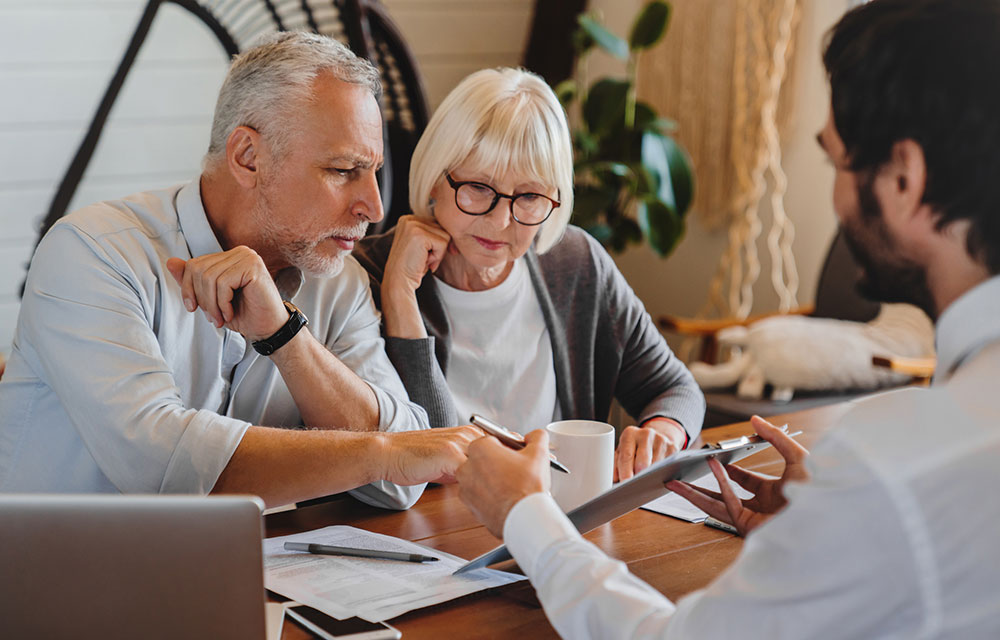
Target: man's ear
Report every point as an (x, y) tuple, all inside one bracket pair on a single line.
[(242, 155), (907, 177)]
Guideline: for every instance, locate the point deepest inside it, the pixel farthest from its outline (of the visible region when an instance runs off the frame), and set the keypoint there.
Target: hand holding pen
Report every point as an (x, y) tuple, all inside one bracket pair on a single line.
[(510, 438)]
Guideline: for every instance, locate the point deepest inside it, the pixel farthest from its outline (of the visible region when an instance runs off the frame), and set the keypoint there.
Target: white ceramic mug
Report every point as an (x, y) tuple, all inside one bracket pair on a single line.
[(587, 448)]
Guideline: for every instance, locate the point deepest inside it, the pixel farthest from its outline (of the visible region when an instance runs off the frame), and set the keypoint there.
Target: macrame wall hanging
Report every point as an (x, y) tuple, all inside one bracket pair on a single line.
[(723, 73)]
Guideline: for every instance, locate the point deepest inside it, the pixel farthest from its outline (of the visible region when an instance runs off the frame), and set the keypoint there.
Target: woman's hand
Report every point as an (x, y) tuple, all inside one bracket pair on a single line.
[(640, 447), (418, 246)]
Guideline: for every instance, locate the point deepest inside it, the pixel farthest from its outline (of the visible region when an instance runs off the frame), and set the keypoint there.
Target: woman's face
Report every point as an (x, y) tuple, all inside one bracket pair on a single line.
[(495, 238)]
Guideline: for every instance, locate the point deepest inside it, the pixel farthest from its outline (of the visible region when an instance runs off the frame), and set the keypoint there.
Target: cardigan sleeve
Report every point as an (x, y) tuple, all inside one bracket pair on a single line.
[(414, 359), (652, 381), (421, 374)]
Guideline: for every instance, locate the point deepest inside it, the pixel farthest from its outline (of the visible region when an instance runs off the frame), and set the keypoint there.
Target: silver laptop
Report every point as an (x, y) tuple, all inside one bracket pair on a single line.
[(131, 567)]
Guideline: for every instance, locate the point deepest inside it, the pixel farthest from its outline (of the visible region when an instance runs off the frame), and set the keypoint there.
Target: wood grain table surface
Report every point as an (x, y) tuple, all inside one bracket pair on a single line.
[(673, 556)]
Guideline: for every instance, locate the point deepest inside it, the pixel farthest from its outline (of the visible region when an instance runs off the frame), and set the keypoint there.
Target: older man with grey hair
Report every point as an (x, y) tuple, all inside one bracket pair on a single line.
[(160, 333)]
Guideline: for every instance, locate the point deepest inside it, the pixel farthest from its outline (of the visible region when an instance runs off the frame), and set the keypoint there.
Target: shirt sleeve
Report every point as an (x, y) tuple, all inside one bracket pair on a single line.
[(652, 380), (585, 593), (94, 346)]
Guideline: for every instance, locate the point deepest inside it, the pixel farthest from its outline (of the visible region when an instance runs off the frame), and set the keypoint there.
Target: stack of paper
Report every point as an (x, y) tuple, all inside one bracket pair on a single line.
[(675, 506), (368, 588)]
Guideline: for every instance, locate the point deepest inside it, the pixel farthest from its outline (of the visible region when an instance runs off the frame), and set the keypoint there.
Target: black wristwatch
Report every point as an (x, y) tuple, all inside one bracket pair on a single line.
[(296, 320)]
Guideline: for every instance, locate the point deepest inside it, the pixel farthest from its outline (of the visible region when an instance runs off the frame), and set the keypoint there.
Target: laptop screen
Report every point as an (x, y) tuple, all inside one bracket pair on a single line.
[(131, 567)]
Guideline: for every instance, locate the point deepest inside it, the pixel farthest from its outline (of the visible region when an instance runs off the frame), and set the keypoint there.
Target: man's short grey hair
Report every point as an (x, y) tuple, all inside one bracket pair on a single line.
[(267, 82)]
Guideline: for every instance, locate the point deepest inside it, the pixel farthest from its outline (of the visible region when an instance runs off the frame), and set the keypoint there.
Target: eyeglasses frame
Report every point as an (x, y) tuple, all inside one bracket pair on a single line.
[(456, 185)]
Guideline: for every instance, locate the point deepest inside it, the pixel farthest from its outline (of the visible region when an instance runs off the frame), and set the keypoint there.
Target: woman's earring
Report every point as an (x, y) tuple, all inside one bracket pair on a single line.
[(430, 205)]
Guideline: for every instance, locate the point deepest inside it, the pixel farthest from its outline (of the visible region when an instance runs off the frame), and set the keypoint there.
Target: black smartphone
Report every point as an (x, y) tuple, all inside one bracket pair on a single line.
[(329, 628)]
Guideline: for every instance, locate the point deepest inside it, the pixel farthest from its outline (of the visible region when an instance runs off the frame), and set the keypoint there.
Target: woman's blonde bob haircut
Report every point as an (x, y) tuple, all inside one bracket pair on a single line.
[(498, 121)]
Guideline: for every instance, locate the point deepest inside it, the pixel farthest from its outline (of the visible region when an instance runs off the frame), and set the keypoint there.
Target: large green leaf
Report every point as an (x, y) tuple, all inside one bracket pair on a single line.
[(670, 169), (604, 38), (601, 232), (645, 115), (681, 175), (649, 26), (604, 167), (604, 108), (665, 126), (582, 43), (661, 225), (566, 91), (585, 144), (591, 202), (625, 230), (645, 184)]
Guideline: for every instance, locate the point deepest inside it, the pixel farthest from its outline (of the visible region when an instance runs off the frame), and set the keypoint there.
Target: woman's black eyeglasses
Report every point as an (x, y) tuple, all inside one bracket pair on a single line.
[(477, 199)]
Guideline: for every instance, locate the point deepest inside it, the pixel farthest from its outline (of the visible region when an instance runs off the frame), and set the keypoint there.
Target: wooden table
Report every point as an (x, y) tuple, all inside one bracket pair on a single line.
[(673, 556)]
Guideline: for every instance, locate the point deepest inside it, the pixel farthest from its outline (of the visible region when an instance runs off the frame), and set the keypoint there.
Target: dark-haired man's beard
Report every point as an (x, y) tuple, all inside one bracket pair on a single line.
[(887, 275)]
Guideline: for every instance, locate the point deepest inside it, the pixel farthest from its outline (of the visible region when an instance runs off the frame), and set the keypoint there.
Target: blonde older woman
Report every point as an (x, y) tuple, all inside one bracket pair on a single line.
[(492, 304)]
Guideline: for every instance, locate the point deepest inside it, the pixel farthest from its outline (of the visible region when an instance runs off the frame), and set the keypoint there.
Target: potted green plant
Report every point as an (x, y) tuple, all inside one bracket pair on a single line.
[(633, 180)]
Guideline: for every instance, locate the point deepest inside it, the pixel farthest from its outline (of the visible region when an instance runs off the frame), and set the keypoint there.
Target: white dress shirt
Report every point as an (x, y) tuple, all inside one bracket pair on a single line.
[(501, 362), (113, 386), (894, 536)]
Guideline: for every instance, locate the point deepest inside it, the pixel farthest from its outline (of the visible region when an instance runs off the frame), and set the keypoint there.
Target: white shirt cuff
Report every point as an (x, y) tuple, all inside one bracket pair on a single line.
[(533, 525)]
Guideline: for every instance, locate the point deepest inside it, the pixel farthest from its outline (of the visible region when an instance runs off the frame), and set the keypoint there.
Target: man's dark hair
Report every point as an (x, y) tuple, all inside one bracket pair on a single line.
[(926, 70)]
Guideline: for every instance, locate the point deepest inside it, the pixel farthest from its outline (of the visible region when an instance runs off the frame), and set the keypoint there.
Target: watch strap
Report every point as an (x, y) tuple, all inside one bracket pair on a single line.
[(296, 320)]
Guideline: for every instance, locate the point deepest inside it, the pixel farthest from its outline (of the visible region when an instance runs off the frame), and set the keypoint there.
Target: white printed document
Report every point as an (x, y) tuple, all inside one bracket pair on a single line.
[(343, 586), (675, 506)]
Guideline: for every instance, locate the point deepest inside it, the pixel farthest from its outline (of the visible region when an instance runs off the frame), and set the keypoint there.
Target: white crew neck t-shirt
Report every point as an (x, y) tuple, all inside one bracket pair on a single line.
[(501, 356)]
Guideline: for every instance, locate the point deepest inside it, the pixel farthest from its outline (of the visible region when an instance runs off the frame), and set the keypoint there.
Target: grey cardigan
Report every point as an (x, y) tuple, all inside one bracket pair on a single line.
[(604, 344)]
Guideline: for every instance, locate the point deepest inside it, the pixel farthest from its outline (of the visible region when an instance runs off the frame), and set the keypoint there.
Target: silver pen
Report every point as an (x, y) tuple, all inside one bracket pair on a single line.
[(720, 525), (510, 438), (330, 550)]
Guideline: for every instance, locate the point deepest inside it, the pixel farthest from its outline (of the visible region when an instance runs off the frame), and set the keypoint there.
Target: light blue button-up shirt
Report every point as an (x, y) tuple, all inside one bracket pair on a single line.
[(113, 386)]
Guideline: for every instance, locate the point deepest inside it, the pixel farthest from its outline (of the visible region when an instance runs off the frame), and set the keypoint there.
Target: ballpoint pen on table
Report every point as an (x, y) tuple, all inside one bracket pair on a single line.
[(330, 550)]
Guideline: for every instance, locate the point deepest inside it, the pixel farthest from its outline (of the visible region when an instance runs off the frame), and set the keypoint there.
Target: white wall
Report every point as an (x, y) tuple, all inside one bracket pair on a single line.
[(56, 59), (57, 56)]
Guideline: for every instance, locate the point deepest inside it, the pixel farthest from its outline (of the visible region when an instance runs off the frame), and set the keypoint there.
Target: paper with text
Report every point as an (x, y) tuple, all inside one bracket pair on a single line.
[(373, 589)]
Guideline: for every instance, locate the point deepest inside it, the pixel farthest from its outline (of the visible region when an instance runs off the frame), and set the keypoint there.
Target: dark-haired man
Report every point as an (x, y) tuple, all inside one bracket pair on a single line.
[(892, 537)]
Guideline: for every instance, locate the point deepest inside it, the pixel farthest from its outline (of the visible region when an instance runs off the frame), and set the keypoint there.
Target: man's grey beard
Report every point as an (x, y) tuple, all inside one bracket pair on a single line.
[(303, 253)]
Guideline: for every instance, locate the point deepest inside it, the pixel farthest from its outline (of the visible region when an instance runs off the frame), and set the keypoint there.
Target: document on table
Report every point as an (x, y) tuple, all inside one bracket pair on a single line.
[(675, 506), (343, 586)]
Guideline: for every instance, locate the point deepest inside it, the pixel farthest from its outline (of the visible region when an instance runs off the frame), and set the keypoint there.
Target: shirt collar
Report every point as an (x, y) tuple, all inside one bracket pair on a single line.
[(201, 239), (289, 281), (966, 326), (197, 231)]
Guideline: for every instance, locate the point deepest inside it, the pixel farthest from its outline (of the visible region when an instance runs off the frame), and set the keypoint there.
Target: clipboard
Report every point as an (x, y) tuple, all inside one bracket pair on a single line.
[(627, 496)]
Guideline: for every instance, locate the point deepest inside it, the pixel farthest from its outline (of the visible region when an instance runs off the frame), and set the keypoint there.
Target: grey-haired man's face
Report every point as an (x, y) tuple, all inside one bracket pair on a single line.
[(318, 197)]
